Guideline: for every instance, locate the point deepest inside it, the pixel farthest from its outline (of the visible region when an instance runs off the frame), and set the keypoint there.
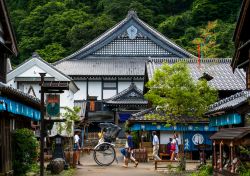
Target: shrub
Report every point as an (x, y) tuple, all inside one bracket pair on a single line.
[(25, 150), (205, 170)]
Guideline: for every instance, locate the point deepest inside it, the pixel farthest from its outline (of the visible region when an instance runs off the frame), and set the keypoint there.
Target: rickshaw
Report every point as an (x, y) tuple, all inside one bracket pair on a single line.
[(104, 152)]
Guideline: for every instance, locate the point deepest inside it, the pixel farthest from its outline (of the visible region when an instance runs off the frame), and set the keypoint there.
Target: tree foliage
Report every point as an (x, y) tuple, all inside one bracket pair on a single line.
[(70, 115), (24, 149), (70, 24), (173, 90)]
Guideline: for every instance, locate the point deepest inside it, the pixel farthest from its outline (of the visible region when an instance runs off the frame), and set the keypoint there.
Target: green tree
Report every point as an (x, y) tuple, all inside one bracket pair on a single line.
[(70, 115), (173, 90), (25, 150), (52, 52), (81, 34)]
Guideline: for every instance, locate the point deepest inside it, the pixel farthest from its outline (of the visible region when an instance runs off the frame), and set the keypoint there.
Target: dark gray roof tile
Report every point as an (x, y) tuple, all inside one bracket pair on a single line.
[(230, 102), (131, 95), (218, 68), (103, 67)]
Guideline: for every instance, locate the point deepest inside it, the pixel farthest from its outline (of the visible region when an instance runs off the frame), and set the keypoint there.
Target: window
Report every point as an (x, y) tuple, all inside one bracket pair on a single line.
[(109, 85), (109, 89)]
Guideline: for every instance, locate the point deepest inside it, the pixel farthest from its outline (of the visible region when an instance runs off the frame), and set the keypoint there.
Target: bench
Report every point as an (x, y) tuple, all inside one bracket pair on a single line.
[(163, 154), (164, 161), (173, 161)]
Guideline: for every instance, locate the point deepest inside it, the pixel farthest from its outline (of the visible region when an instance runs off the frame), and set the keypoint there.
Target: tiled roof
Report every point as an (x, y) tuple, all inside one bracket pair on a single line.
[(218, 68), (231, 133), (131, 95), (111, 34), (19, 95), (103, 67), (141, 117), (231, 102)]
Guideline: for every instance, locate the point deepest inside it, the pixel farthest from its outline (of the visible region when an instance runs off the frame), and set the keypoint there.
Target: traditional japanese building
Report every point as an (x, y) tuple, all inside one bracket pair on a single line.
[(26, 78), (8, 46), (108, 65), (192, 131), (231, 114), (242, 41), (217, 70), (17, 109)]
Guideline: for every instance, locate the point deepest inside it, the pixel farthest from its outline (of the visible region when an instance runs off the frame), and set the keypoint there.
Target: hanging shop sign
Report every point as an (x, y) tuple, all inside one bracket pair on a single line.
[(53, 105)]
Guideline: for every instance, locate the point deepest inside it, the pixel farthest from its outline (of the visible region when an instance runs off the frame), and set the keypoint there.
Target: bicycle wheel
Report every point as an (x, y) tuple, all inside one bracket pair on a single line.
[(104, 155)]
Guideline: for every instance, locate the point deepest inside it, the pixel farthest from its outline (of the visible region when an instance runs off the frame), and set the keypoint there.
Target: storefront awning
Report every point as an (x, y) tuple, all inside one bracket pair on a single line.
[(177, 127), (14, 107), (226, 119)]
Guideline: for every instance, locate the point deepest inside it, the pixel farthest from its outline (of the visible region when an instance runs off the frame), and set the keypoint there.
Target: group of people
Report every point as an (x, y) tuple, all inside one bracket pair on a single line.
[(172, 147), (127, 151)]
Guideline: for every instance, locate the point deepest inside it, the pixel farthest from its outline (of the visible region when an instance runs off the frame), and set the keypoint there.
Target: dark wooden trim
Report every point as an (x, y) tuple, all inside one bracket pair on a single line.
[(87, 88), (102, 89), (116, 85)]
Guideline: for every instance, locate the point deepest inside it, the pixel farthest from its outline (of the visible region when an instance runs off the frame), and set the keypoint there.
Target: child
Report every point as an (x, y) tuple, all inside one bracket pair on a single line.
[(128, 150)]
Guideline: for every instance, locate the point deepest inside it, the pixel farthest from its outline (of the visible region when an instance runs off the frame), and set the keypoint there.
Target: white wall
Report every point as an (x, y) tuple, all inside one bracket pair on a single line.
[(139, 84), (165, 135), (108, 93), (33, 72), (123, 85), (95, 89), (82, 93), (12, 83)]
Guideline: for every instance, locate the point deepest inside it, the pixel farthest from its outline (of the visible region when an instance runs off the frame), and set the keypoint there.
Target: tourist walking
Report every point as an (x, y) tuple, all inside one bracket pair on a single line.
[(77, 146), (155, 146), (174, 148), (127, 152)]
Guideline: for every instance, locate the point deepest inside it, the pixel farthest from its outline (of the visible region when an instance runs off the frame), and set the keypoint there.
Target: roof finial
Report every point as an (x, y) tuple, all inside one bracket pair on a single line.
[(132, 13), (35, 54)]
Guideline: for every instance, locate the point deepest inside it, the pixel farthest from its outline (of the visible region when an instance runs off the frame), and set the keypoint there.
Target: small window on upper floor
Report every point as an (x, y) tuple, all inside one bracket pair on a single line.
[(109, 85)]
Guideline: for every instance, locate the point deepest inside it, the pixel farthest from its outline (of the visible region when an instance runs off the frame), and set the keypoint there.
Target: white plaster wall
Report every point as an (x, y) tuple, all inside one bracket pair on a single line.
[(122, 85), (165, 135), (125, 84), (95, 89), (108, 93), (12, 83), (26, 86), (33, 72), (139, 84), (82, 93), (67, 99)]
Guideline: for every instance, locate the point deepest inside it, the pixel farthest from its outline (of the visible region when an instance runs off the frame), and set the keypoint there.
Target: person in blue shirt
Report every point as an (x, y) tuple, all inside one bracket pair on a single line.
[(128, 150)]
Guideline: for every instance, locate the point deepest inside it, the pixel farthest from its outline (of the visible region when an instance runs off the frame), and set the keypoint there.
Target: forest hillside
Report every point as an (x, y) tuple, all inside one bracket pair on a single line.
[(56, 28)]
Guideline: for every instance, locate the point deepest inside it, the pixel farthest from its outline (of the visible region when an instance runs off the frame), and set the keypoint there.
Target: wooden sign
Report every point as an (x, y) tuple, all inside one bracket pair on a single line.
[(53, 105)]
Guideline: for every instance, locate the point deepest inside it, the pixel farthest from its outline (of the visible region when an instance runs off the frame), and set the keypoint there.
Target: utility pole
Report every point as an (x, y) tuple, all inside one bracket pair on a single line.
[(42, 130)]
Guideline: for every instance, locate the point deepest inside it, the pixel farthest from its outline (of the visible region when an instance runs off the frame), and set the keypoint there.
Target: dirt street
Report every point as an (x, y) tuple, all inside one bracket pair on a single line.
[(90, 168)]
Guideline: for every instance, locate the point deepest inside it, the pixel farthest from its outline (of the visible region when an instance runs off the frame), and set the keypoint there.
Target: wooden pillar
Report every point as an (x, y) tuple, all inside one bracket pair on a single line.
[(248, 77), (214, 155), (221, 156), (231, 152)]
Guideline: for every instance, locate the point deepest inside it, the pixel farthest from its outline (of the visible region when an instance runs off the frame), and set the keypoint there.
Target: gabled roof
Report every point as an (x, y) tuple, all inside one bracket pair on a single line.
[(230, 103), (218, 68), (134, 33), (36, 60), (8, 31), (103, 67), (130, 96)]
